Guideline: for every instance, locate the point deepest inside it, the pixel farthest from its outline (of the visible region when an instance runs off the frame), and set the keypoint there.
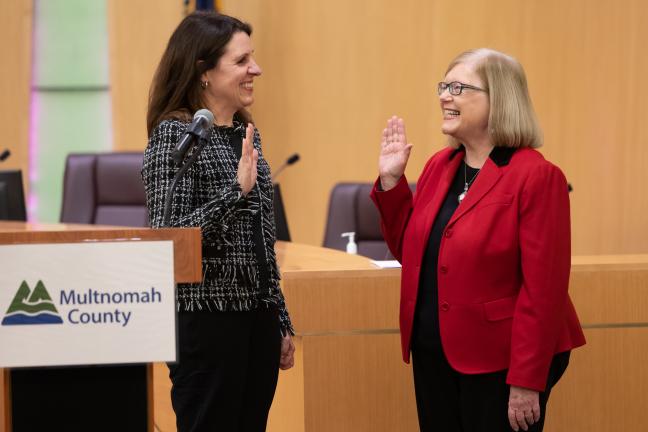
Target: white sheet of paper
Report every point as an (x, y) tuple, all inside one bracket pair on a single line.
[(386, 264)]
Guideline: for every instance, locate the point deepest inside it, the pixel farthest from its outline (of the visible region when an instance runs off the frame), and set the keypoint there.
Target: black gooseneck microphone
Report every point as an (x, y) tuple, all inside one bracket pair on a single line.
[(291, 160), (199, 128), (4, 155)]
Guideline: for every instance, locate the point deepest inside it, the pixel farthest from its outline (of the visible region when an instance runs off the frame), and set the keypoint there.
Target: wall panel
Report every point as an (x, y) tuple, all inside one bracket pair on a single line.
[(335, 71), (139, 31), (15, 76)]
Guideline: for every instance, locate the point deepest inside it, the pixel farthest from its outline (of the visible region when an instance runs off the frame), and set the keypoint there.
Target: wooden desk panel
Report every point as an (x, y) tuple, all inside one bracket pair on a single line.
[(349, 375), (605, 387)]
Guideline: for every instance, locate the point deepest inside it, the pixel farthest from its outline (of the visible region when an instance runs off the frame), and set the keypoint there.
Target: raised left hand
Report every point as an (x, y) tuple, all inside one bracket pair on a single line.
[(523, 408), (287, 359), (247, 167)]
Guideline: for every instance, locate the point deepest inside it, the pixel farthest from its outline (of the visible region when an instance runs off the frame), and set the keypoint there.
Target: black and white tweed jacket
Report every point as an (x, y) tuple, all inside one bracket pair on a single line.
[(209, 197)]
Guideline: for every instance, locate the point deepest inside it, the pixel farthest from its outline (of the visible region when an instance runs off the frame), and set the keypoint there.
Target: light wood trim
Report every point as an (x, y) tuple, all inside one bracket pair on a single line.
[(609, 262), (5, 400), (187, 249), (150, 399)]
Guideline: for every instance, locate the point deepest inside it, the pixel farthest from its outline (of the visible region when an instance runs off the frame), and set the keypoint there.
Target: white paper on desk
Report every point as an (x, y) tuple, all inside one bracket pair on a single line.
[(386, 264)]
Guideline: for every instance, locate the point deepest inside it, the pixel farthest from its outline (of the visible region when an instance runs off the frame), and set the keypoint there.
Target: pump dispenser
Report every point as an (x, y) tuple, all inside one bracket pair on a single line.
[(351, 246)]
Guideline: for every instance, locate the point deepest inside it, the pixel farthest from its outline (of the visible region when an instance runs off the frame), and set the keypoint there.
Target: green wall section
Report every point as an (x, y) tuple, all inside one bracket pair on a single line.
[(71, 94)]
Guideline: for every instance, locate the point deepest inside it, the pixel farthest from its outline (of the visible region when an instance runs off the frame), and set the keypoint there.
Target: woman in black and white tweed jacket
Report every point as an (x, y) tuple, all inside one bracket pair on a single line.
[(234, 330)]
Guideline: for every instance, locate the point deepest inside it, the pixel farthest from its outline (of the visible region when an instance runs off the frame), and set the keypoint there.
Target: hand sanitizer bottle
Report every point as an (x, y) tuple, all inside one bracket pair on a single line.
[(351, 246)]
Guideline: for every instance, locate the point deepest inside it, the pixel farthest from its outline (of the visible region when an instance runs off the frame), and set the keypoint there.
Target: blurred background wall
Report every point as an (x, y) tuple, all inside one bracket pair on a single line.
[(335, 70), (15, 81)]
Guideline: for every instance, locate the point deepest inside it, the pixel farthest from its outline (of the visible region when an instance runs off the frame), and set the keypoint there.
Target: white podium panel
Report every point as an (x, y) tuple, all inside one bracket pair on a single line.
[(87, 303)]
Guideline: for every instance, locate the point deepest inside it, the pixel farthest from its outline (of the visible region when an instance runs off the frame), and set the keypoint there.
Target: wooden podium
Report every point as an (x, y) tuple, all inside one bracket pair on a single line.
[(187, 268)]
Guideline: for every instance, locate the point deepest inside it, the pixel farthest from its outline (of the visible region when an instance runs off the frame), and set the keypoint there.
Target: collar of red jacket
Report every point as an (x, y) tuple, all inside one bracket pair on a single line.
[(500, 155)]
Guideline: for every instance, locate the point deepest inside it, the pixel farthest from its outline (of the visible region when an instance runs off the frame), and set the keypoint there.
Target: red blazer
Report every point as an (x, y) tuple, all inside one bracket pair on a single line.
[(504, 263)]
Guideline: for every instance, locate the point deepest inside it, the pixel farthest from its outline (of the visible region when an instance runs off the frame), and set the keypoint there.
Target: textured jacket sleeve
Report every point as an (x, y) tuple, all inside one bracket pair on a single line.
[(284, 318), (213, 215), (545, 254)]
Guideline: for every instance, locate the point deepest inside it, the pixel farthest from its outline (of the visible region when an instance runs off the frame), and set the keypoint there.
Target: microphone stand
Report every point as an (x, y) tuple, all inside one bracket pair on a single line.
[(202, 140)]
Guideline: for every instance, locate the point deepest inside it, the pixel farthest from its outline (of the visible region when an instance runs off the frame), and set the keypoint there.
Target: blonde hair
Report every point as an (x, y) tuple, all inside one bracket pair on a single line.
[(512, 121)]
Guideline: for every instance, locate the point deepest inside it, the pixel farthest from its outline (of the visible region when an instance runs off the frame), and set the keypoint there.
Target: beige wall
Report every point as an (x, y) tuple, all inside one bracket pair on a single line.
[(139, 31), (15, 81), (335, 70)]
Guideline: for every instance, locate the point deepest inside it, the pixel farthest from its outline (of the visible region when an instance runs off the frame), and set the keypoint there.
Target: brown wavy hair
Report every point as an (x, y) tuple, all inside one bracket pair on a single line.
[(196, 46)]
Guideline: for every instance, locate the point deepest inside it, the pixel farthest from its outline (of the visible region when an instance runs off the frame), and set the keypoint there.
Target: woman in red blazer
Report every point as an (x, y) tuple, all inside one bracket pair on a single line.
[(485, 249)]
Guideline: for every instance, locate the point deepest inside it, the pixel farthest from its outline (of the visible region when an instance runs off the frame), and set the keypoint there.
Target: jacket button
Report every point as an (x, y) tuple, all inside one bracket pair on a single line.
[(443, 269), (445, 306), (448, 233)]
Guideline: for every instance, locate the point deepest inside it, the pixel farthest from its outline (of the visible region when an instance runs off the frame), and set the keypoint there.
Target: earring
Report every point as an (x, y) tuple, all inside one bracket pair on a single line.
[(204, 84)]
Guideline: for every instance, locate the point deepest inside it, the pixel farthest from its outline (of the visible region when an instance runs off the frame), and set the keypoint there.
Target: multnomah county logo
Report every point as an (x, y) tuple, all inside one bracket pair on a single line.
[(32, 307)]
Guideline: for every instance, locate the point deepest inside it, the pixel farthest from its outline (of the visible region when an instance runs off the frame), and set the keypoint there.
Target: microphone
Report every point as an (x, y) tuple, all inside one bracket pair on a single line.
[(4, 155), (291, 160), (199, 128)]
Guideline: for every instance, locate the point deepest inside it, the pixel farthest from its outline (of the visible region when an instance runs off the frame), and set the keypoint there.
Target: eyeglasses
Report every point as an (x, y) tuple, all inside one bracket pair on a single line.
[(455, 88)]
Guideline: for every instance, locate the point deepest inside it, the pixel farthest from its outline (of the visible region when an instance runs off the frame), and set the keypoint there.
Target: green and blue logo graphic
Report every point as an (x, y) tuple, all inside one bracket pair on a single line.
[(32, 307)]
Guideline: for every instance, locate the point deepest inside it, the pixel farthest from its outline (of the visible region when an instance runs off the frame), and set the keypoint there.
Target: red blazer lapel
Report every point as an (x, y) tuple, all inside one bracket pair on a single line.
[(486, 179)]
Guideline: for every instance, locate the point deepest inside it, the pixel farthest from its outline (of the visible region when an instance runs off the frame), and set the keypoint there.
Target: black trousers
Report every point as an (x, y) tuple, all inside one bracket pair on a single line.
[(227, 372), (450, 401)]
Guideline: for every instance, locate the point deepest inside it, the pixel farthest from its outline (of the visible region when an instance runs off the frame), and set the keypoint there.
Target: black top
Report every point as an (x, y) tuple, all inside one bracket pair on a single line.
[(425, 334)]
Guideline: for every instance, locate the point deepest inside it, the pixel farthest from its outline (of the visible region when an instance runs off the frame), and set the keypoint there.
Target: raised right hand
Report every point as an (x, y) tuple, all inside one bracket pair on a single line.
[(247, 167), (394, 153)]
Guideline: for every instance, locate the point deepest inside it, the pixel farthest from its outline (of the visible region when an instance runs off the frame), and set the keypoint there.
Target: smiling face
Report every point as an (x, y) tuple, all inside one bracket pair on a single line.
[(465, 117), (230, 87)]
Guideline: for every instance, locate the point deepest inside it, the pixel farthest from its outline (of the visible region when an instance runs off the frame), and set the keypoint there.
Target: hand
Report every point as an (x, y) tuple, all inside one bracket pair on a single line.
[(247, 167), (523, 408), (394, 153), (287, 359)]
